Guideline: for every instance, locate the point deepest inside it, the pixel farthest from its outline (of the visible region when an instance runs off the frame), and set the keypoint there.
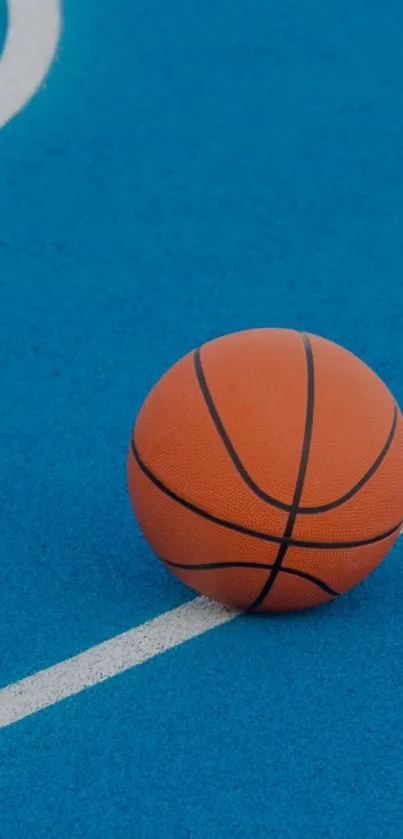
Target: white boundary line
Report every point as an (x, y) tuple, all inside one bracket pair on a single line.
[(110, 658), (33, 33), (106, 660)]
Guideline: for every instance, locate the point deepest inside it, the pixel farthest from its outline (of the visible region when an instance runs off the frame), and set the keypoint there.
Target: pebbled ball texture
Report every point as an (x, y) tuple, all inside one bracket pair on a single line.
[(266, 470)]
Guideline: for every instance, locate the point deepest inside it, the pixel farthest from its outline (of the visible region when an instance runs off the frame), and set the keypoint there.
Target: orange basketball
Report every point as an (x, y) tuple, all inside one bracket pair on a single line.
[(266, 470)]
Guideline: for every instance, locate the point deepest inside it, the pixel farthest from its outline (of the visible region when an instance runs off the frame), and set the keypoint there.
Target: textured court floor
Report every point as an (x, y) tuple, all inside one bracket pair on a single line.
[(186, 170)]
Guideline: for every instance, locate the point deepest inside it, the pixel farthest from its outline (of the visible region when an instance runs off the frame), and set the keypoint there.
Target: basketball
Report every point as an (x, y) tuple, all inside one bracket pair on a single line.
[(266, 470)]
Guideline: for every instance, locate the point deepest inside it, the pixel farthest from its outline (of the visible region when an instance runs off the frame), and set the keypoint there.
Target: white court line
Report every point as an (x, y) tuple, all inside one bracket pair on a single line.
[(33, 33), (110, 658)]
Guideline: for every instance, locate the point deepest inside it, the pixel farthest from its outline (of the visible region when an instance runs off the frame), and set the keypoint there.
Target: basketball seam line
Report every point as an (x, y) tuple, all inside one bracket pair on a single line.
[(299, 485), (212, 566), (247, 531), (244, 474)]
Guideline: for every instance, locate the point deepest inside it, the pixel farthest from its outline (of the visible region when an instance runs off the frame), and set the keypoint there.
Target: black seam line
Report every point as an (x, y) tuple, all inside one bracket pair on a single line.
[(247, 531), (306, 444), (213, 566), (323, 508), (248, 480)]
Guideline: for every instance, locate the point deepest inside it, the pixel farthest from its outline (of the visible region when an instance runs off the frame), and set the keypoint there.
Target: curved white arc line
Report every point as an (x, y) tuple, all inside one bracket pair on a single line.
[(33, 33)]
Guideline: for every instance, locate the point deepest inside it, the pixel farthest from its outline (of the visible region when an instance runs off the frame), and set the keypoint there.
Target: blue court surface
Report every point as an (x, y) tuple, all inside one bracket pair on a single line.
[(185, 170)]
